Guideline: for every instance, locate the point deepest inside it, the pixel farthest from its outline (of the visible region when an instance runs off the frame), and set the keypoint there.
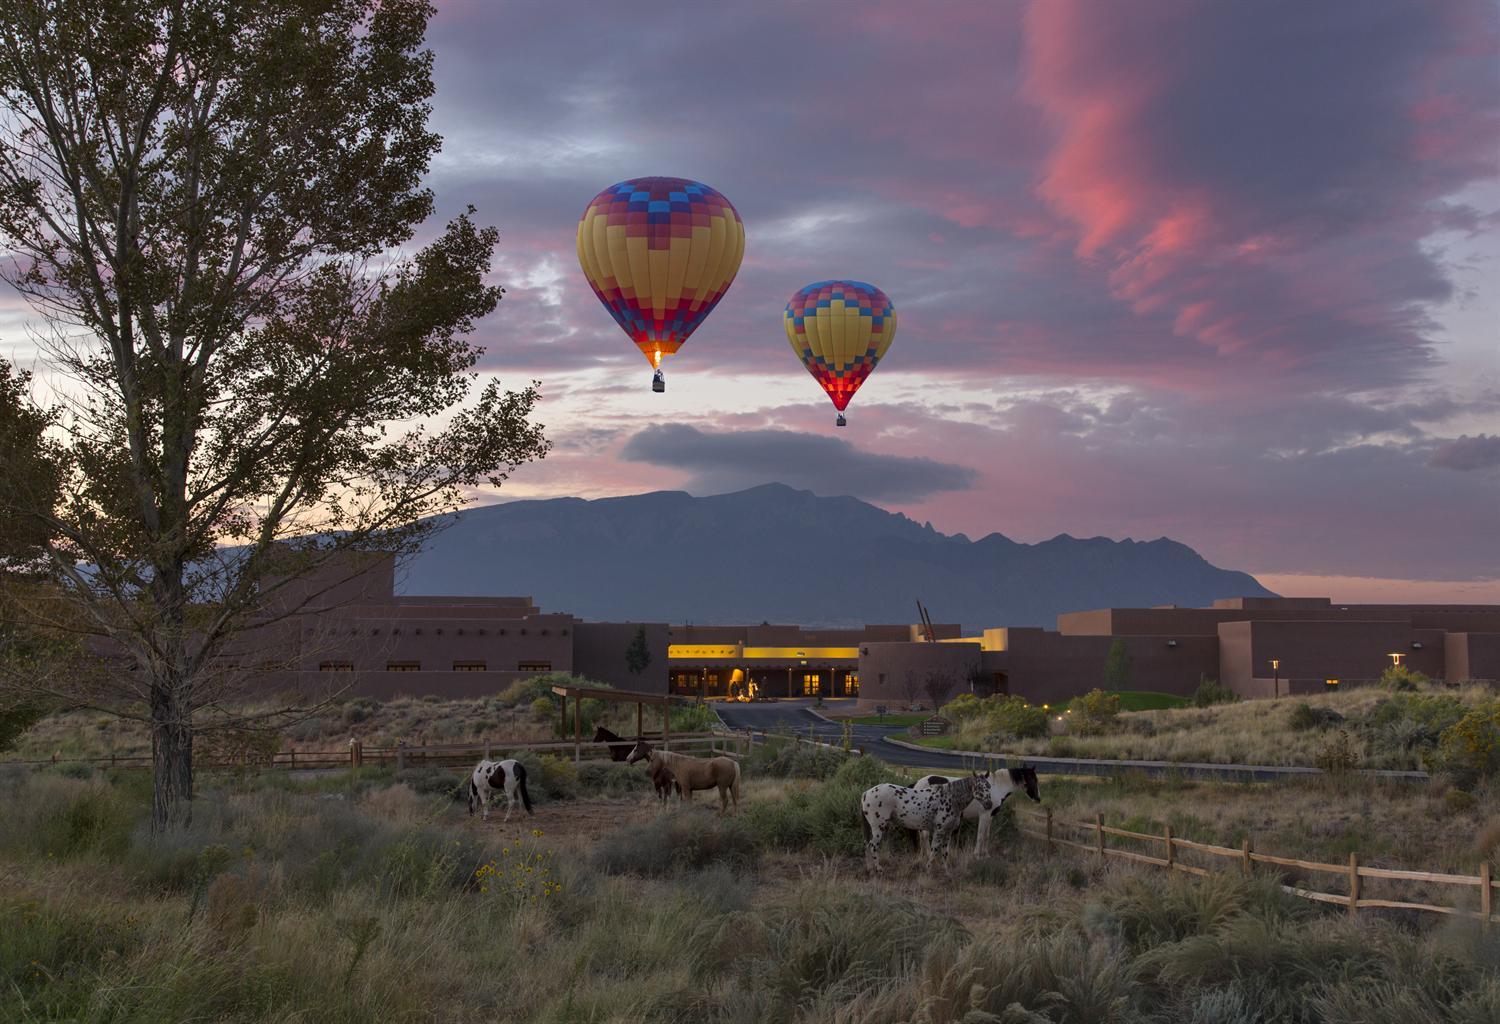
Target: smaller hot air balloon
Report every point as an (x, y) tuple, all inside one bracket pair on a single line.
[(840, 330), (660, 253)]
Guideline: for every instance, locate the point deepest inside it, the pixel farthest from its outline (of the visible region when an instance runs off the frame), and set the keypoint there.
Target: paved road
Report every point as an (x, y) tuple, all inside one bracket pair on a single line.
[(795, 716)]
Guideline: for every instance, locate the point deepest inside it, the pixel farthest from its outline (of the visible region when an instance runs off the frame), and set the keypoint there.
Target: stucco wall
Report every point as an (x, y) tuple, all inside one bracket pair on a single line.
[(599, 653), (883, 670)]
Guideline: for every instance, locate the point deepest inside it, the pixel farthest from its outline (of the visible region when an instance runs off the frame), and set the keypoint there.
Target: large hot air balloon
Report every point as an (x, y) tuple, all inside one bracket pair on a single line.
[(840, 330), (660, 254)]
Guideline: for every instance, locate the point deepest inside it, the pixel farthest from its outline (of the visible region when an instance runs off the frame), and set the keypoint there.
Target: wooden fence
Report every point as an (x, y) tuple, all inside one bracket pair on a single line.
[(357, 755), (1354, 873)]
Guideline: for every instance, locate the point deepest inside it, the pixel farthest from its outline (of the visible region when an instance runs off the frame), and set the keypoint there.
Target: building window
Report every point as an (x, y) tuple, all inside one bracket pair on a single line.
[(468, 666), (534, 666), (403, 666), (1332, 684), (336, 666), (809, 684), (851, 684)]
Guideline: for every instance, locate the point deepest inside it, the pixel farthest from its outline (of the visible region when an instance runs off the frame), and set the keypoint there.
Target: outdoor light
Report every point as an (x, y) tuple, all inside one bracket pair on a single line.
[(1276, 678), (1171, 643), (1416, 645), (1396, 657)]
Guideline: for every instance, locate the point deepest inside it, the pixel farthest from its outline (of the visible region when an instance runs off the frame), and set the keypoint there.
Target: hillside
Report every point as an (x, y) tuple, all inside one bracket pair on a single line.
[(778, 554)]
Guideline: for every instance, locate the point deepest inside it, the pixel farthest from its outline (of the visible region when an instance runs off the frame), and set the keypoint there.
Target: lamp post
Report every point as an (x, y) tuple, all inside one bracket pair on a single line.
[(1276, 677)]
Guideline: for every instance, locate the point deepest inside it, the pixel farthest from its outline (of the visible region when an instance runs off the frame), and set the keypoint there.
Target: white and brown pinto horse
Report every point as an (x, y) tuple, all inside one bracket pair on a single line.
[(693, 773), (1002, 784), (937, 809), (491, 779)]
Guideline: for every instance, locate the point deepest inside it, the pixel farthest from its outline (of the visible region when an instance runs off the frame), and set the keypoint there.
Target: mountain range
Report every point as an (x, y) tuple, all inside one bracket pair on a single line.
[(773, 553)]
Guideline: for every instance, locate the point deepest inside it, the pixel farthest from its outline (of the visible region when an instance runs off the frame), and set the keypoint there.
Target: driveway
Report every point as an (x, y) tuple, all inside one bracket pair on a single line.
[(795, 716)]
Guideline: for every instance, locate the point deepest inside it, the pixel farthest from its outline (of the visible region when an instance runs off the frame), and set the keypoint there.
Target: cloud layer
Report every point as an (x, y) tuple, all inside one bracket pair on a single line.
[(718, 463)]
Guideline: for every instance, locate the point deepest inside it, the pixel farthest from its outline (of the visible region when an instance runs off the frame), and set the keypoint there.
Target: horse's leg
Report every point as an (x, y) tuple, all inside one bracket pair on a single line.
[(982, 839)]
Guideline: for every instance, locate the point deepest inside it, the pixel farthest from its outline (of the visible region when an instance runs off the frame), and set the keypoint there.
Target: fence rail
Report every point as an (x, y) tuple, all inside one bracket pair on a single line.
[(1354, 872), (358, 755)]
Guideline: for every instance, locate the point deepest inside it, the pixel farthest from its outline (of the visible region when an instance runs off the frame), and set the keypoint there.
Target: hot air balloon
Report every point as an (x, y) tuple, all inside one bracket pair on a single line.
[(840, 330), (660, 253)]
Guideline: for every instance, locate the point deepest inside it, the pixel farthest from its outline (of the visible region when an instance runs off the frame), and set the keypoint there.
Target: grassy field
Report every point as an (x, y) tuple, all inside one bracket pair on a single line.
[(362, 897), (1381, 729), (899, 719)]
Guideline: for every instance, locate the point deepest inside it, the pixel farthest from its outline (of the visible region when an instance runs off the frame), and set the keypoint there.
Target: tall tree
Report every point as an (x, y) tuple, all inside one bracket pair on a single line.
[(1117, 666), (202, 198), (638, 654)]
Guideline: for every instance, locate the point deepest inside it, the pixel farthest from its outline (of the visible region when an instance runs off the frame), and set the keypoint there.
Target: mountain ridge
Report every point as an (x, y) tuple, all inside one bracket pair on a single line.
[(775, 553)]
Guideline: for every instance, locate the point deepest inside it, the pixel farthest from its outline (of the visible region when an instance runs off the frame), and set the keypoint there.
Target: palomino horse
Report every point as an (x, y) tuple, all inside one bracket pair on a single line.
[(619, 748), (694, 773), (1002, 784)]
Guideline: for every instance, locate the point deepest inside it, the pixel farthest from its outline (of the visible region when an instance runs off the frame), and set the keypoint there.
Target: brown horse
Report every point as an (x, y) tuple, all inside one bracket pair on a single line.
[(694, 773), (619, 747), (664, 781)]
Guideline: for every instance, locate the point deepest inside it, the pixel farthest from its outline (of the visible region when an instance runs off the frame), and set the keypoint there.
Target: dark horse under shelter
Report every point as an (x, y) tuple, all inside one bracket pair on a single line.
[(619, 749)]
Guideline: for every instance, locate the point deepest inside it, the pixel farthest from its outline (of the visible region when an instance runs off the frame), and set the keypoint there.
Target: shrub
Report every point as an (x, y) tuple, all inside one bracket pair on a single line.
[(1412, 724), (1304, 716), (1211, 691), (1399, 678), (1470, 748), (1338, 756), (15, 719), (677, 840), (612, 778), (543, 708), (449, 782), (1094, 713), (966, 706), (1459, 801), (824, 818), (864, 772), (782, 758), (1014, 717)]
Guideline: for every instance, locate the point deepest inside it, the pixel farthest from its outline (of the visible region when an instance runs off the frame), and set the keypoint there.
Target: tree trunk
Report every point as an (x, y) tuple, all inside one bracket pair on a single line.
[(171, 761)]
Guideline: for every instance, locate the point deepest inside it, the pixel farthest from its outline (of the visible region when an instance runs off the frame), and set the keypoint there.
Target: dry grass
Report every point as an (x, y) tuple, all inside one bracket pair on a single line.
[(1250, 732), (350, 899)]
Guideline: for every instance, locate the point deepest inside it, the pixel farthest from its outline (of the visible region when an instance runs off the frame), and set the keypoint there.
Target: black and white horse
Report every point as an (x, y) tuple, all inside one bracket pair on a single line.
[(1002, 784), (937, 809), (493, 778)]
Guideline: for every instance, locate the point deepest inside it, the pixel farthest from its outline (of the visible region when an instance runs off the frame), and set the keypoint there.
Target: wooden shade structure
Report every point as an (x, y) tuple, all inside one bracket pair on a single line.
[(640, 700)]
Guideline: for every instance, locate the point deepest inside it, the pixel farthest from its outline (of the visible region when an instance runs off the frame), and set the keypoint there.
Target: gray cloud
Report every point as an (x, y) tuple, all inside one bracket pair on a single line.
[(722, 462), (1465, 453)]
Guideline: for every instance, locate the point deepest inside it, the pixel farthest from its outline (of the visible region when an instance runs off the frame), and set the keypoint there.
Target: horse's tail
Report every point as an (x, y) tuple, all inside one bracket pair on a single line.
[(734, 787), (864, 823), (473, 794), (521, 782)]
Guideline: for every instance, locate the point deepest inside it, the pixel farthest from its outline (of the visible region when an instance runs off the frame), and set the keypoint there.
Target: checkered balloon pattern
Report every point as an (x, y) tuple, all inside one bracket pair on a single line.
[(840, 330), (660, 253)]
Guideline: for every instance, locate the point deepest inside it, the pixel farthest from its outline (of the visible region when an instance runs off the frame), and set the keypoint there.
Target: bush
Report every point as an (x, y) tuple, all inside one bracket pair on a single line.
[(1014, 717), (782, 758), (544, 708), (677, 840), (1410, 725), (1400, 678), (1339, 755), (15, 719), (1304, 716), (449, 782), (1210, 692), (1470, 748), (825, 818), (613, 778), (966, 706), (1094, 713)]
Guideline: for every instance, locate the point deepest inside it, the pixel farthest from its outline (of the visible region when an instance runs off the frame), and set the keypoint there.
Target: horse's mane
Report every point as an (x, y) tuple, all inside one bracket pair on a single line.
[(602, 733)]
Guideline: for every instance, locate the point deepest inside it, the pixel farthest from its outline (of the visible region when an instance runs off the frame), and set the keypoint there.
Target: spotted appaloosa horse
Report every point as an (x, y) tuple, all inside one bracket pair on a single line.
[(937, 809), (1002, 784), (491, 779)]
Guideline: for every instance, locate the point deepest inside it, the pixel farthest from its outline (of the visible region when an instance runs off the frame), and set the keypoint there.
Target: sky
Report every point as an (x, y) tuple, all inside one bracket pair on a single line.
[(1227, 273)]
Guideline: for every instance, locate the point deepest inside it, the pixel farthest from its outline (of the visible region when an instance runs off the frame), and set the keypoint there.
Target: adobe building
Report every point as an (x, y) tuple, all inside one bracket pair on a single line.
[(1258, 647)]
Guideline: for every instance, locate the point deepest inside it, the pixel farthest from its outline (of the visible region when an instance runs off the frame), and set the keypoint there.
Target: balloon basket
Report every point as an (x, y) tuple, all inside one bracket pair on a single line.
[(658, 383), (841, 422)]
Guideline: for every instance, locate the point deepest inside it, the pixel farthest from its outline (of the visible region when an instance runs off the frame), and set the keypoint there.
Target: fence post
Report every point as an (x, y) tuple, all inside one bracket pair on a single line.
[(1486, 894), (1245, 852), (1050, 844), (1353, 884), (1169, 846), (486, 750), (1099, 834), (400, 755)]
